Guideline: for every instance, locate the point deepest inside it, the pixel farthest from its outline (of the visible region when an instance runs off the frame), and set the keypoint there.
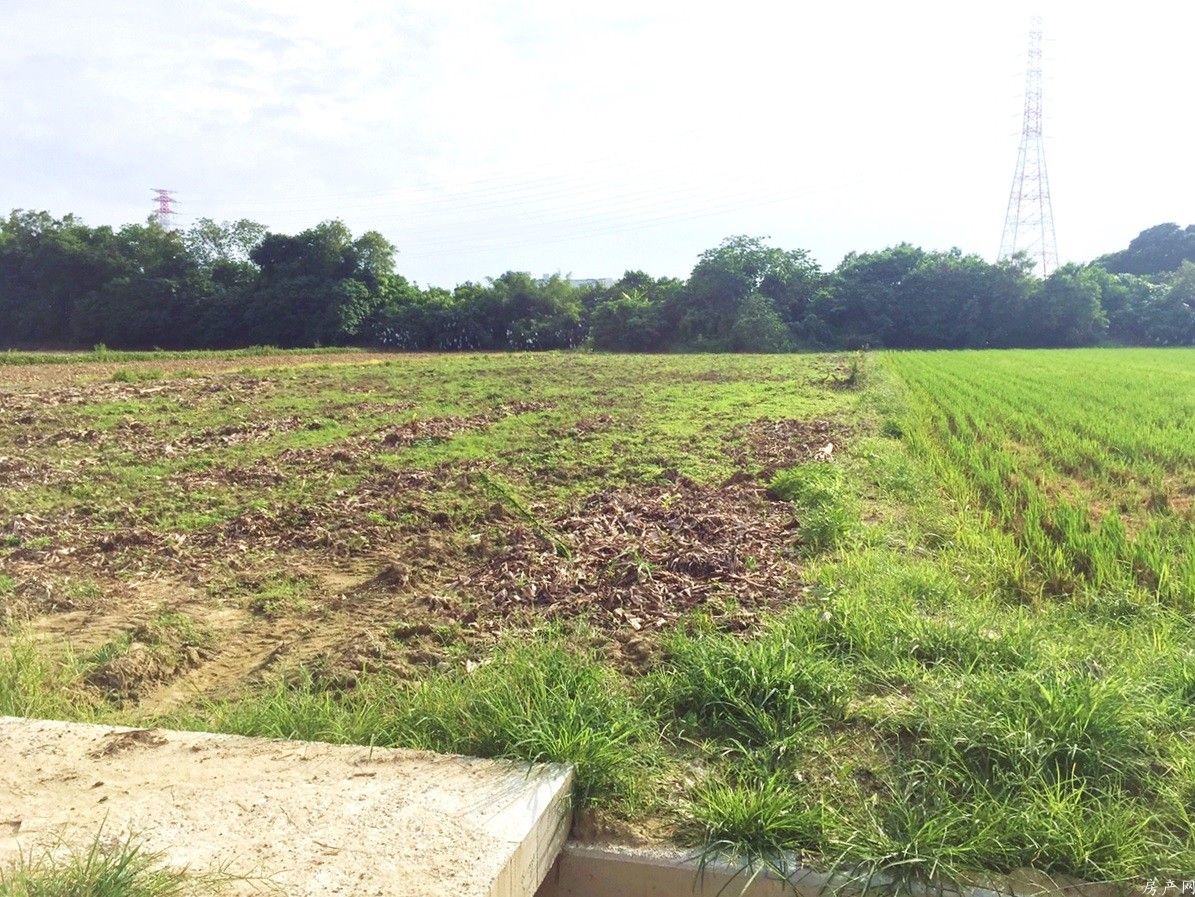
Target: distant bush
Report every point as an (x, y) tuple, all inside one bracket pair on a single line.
[(758, 327)]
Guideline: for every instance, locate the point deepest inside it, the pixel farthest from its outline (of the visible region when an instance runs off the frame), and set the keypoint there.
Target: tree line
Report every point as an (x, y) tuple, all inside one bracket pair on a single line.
[(225, 285)]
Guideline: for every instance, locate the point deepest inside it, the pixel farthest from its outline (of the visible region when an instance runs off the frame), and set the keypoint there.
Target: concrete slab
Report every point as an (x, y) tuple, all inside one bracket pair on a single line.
[(307, 818)]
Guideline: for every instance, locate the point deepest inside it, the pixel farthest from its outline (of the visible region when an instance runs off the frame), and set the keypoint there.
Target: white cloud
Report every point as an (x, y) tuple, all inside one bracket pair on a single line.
[(592, 137)]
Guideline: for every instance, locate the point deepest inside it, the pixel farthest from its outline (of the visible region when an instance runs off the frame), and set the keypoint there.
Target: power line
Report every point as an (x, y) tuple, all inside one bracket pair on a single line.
[(587, 229), (570, 191)]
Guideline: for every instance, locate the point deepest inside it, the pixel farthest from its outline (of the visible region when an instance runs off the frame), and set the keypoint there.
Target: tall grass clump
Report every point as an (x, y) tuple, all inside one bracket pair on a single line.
[(125, 870), (759, 694), (1051, 724), (34, 685), (895, 618), (760, 821), (1052, 767), (540, 699), (827, 514)]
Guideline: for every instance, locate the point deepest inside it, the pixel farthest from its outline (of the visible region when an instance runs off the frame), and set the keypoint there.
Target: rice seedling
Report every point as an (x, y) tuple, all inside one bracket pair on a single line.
[(1085, 457)]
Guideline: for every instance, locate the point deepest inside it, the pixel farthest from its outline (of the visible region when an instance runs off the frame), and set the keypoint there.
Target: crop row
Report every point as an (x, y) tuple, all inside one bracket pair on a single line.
[(1087, 458)]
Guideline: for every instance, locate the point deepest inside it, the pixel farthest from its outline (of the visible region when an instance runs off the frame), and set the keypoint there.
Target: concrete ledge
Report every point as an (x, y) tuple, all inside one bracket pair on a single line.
[(612, 871), (308, 818)]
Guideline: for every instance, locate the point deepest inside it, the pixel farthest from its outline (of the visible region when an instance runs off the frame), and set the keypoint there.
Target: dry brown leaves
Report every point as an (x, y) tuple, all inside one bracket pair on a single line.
[(584, 426), (367, 409), (632, 558), (16, 471), (639, 558), (348, 522), (438, 429), (227, 390), (353, 455), (143, 442), (771, 444)]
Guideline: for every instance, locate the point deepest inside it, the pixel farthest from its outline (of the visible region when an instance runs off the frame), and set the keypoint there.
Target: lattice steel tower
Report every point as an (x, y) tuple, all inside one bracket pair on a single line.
[(1029, 221), (165, 207)]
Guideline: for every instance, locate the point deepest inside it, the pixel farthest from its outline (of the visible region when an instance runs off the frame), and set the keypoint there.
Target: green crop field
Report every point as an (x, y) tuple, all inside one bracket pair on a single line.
[(925, 614), (1084, 457)]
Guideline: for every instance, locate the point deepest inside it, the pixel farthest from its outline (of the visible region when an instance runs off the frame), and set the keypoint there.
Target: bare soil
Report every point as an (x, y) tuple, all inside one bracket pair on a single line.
[(401, 569), (41, 374)]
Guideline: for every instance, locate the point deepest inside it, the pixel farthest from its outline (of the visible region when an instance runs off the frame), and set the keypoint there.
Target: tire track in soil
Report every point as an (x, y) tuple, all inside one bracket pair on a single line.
[(249, 645)]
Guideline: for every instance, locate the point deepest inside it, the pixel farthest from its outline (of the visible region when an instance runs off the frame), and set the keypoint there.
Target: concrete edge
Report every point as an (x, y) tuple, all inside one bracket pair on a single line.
[(611, 871), (530, 813), (540, 826)]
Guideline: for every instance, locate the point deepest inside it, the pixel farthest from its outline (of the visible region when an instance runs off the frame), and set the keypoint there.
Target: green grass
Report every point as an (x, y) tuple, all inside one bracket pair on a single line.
[(32, 684), (824, 506), (274, 594), (760, 821), (988, 663), (123, 870), (133, 375), (761, 695), (542, 700)]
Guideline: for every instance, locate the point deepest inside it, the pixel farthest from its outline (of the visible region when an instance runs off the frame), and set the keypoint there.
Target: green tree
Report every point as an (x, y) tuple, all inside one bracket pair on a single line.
[(1066, 310), (859, 306), (47, 265), (1156, 250), (707, 308), (1171, 317), (952, 300), (538, 314), (154, 299), (213, 243), (759, 327), (1127, 300), (318, 287), (629, 322)]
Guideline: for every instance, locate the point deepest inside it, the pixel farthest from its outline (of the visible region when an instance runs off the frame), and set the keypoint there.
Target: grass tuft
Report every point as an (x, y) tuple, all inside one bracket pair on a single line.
[(762, 821), (826, 513), (539, 700), (33, 685), (764, 693), (1052, 725), (123, 870)]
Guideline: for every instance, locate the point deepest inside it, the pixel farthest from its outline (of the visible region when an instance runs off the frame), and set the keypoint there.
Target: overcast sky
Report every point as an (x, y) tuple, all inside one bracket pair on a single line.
[(589, 138)]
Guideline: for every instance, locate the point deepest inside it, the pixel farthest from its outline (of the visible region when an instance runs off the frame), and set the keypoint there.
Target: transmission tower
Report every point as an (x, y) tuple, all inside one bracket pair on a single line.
[(1029, 221), (164, 212)]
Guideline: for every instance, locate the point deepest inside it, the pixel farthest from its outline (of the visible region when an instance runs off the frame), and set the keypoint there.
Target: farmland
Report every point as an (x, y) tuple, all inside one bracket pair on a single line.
[(925, 612), (1087, 462)]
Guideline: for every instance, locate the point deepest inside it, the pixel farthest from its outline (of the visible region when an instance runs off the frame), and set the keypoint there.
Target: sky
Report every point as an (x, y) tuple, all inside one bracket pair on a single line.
[(592, 138)]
